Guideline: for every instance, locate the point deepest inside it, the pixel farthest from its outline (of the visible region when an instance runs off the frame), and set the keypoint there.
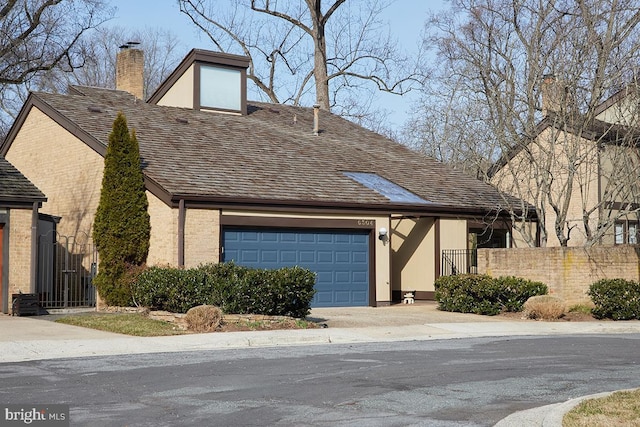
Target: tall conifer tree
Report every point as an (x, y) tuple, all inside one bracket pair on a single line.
[(122, 228)]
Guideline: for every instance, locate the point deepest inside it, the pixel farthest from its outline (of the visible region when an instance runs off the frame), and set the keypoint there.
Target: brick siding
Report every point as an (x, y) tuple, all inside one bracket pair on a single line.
[(19, 247), (201, 237), (66, 170), (567, 271)]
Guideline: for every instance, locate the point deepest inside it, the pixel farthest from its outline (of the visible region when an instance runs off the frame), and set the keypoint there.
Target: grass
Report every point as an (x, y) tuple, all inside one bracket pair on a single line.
[(128, 324), (580, 308), (142, 326), (264, 325), (620, 409)]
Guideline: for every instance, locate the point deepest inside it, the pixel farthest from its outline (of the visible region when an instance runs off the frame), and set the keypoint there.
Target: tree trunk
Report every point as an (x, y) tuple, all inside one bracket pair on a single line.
[(320, 73)]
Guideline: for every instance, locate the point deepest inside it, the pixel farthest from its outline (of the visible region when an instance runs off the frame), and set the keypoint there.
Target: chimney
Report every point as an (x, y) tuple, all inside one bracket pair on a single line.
[(316, 119), (130, 70), (554, 95)]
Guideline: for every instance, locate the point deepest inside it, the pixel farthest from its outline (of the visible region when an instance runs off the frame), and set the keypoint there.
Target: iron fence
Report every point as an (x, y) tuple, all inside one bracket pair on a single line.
[(459, 261), (66, 269)]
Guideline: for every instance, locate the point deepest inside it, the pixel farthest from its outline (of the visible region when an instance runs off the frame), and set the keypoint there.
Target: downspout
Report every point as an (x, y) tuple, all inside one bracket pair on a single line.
[(600, 210), (181, 222), (34, 248), (437, 248)]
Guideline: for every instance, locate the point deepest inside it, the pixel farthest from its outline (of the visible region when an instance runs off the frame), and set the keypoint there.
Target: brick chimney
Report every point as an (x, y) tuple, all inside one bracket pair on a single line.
[(554, 95), (130, 70)]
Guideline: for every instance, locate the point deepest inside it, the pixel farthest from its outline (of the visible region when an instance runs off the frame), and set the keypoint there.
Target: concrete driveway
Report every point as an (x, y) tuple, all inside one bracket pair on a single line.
[(420, 313)]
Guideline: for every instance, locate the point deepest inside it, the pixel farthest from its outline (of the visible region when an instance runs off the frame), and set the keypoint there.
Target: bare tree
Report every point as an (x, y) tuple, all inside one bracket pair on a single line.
[(40, 35), (498, 57), (304, 52), (162, 53), (98, 48)]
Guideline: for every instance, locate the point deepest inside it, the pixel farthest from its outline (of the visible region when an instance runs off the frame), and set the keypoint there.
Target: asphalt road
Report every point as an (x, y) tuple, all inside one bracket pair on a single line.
[(464, 382)]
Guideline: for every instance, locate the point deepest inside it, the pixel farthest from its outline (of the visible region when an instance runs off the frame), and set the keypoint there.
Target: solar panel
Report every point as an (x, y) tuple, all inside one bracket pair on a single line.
[(388, 189)]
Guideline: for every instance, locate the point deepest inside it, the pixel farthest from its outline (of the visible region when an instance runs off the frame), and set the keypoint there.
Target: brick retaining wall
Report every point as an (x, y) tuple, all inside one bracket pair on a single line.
[(567, 271)]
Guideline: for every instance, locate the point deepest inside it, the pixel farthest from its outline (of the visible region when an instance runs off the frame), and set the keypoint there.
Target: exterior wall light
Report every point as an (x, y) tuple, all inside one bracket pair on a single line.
[(383, 235)]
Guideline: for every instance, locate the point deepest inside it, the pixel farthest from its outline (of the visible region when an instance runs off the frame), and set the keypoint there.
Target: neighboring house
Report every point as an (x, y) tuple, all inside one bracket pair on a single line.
[(582, 173), (262, 184), (19, 204)]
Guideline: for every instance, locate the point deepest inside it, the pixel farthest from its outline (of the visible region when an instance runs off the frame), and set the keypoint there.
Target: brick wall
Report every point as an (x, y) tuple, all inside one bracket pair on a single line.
[(567, 271), (201, 237), (66, 170), (19, 252), (163, 244)]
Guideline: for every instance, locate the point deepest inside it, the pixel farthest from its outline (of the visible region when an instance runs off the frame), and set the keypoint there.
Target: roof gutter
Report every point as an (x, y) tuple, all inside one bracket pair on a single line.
[(196, 201)]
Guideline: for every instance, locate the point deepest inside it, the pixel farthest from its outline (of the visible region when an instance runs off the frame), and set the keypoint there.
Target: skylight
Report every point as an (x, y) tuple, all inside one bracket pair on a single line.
[(388, 189)]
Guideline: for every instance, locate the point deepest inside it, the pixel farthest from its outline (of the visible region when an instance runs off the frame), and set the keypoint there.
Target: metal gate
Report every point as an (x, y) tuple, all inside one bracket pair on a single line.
[(66, 268)]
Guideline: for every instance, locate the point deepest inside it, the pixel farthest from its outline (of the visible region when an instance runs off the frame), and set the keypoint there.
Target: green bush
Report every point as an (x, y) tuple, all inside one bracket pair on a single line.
[(235, 289), (616, 299), (482, 294)]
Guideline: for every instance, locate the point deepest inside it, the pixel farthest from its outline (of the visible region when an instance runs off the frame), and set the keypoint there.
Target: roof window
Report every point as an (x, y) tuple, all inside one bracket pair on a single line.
[(386, 188)]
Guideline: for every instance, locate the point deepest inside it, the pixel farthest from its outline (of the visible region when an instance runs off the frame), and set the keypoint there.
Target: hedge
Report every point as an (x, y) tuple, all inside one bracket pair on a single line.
[(235, 289), (482, 294), (616, 299)]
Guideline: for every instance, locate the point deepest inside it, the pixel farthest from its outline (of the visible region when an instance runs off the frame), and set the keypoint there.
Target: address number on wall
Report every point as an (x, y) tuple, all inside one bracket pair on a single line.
[(367, 222)]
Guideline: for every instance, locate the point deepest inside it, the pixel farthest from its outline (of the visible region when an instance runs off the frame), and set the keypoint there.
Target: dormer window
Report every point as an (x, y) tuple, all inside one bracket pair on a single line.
[(208, 81), (220, 88)]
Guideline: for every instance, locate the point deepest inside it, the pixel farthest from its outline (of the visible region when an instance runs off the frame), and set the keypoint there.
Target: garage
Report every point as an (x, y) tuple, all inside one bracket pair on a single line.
[(340, 258)]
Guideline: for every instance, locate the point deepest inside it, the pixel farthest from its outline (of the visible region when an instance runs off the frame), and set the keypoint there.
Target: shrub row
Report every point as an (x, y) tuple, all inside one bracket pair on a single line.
[(235, 289), (482, 294), (616, 299)]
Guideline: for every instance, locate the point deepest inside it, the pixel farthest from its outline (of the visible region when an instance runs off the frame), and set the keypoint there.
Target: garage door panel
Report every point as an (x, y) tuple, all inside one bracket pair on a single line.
[(343, 257), (324, 238), (343, 277), (288, 257), (360, 257), (340, 259), (269, 237), (288, 238), (306, 238), (343, 297), (248, 237), (360, 298), (344, 239), (248, 256), (359, 277), (307, 256), (323, 298), (269, 256), (360, 239), (325, 257)]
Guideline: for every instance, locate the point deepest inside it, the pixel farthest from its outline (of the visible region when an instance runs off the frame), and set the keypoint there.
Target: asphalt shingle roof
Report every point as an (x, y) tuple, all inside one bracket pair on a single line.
[(15, 187), (269, 154)]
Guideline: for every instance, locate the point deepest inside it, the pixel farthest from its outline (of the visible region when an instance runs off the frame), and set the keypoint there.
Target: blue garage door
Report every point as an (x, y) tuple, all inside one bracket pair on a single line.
[(339, 258)]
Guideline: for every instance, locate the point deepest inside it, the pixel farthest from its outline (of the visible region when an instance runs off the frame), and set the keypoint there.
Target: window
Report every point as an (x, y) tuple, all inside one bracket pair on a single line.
[(633, 233), (619, 233), (220, 88), (626, 232), (386, 188)]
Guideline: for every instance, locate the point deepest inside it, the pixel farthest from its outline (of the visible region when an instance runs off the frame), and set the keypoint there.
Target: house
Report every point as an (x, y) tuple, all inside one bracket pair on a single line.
[(19, 204), (261, 184), (580, 170)]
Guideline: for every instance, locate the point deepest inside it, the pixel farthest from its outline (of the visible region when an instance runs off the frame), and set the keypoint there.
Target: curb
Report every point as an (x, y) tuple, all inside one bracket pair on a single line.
[(549, 415)]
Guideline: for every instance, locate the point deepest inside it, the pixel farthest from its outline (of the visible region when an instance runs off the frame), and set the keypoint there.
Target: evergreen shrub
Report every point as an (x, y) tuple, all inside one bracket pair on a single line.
[(616, 299), (483, 294), (121, 230), (235, 289)]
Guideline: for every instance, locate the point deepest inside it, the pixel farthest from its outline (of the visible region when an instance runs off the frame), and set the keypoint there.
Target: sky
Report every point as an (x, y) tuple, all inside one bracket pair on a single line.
[(406, 19)]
